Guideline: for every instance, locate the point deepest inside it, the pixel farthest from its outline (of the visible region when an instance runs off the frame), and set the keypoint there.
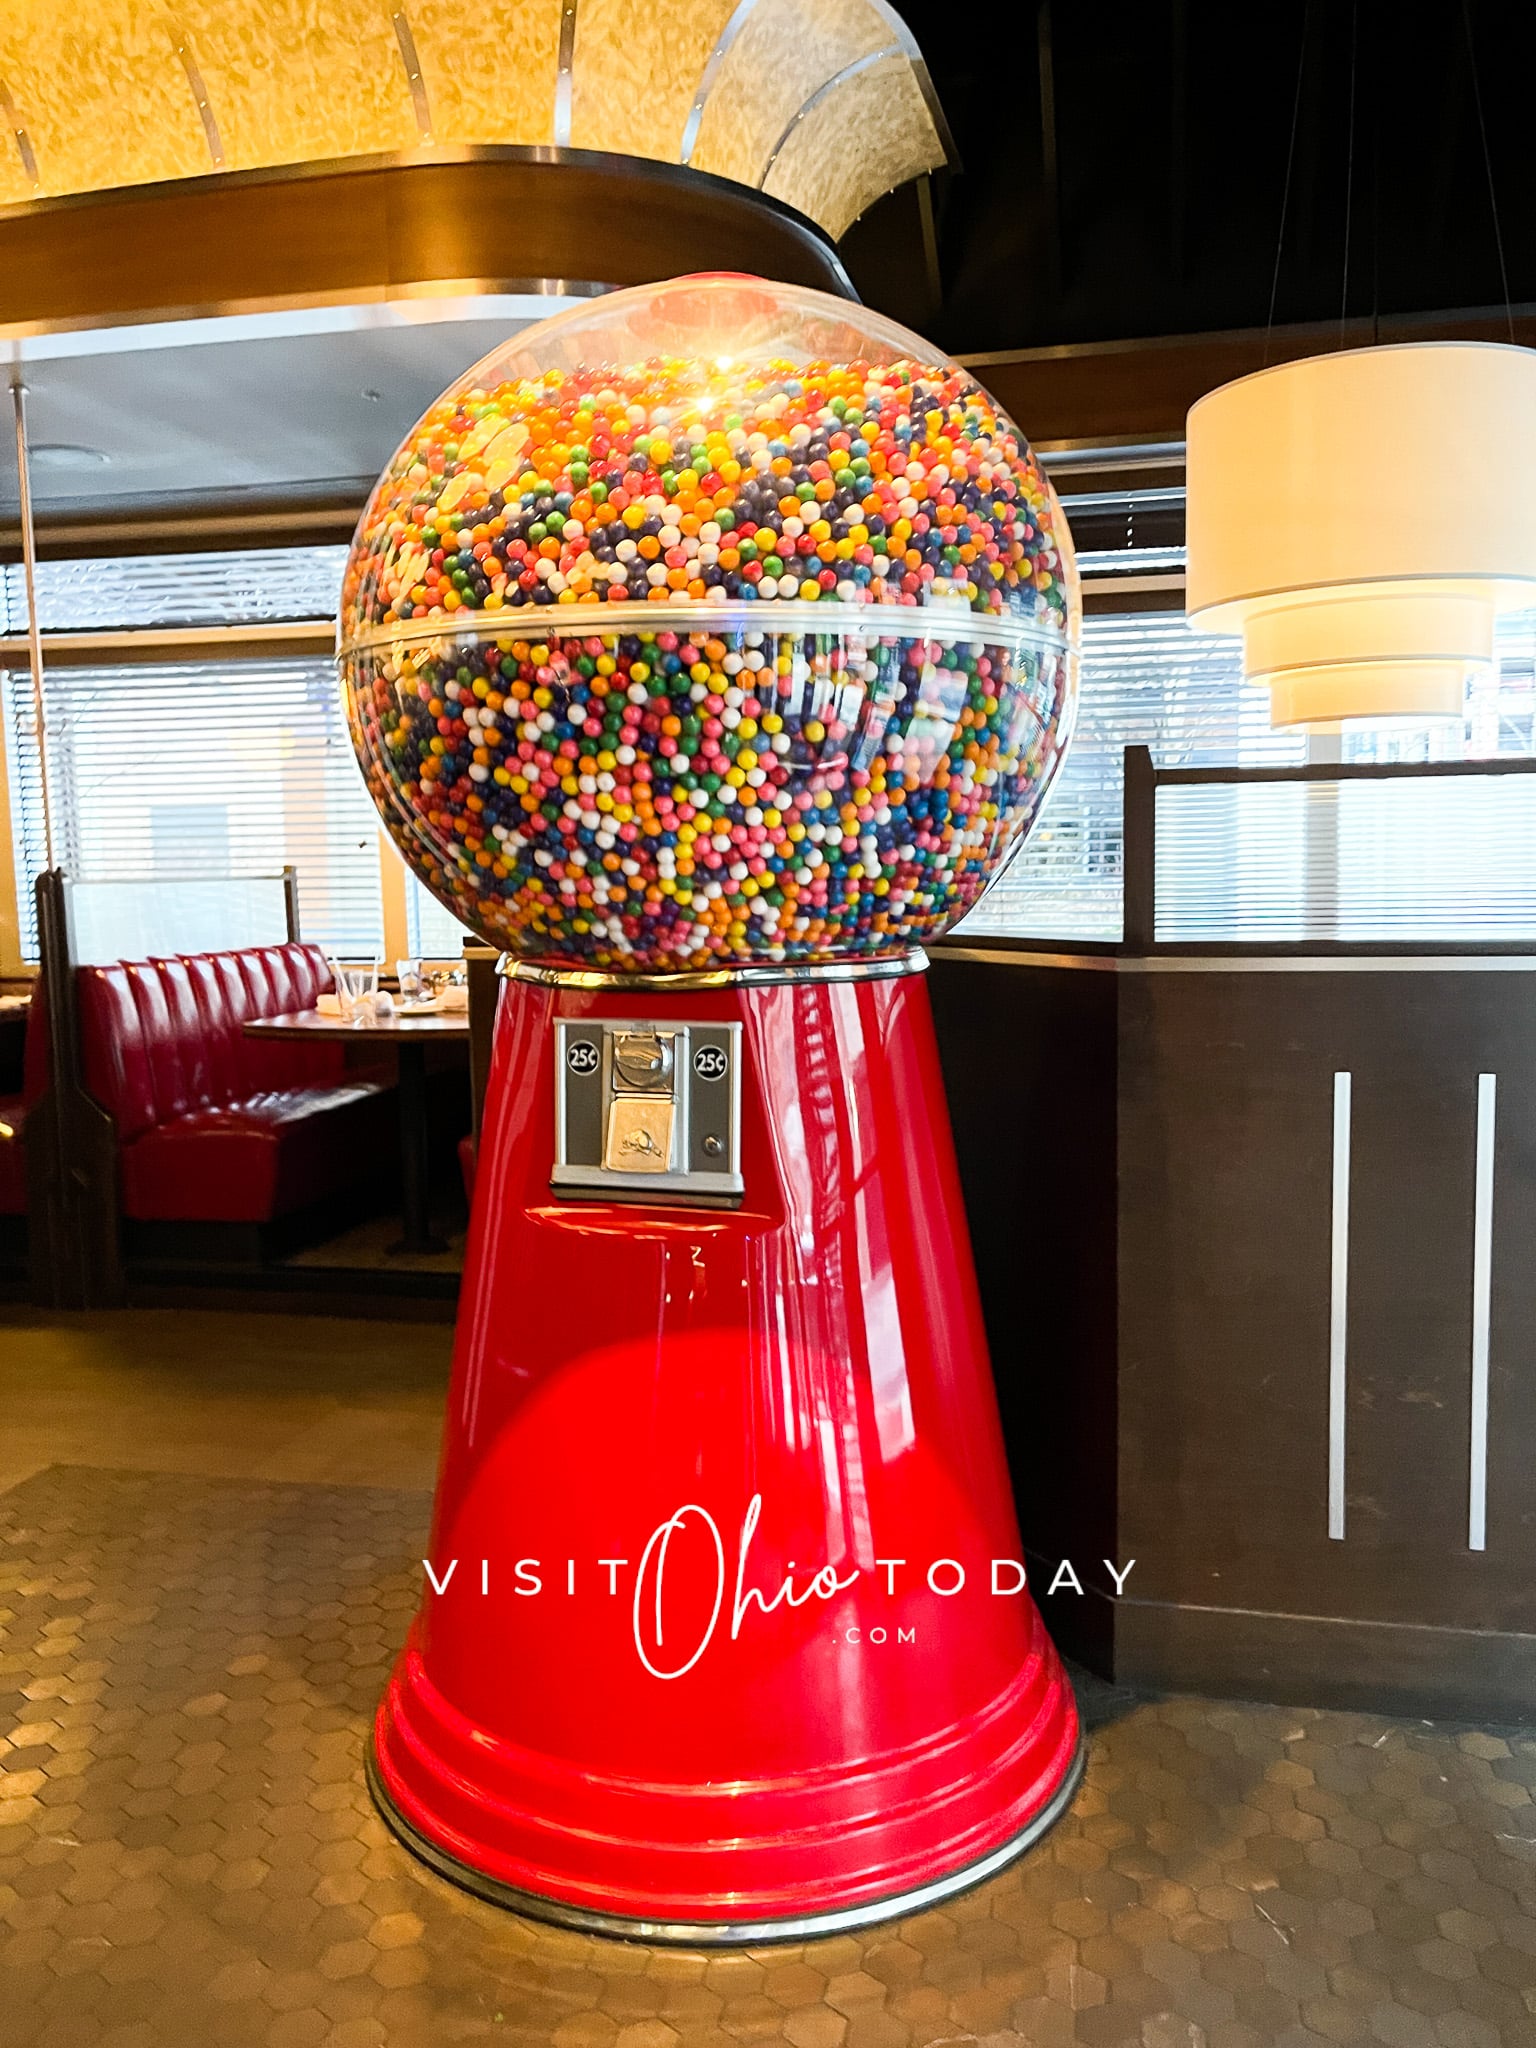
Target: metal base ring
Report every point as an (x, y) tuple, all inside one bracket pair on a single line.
[(744, 974), (732, 1933)]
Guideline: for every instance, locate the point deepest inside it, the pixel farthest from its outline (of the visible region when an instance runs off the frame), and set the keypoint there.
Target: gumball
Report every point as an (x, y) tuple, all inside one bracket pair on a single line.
[(707, 625)]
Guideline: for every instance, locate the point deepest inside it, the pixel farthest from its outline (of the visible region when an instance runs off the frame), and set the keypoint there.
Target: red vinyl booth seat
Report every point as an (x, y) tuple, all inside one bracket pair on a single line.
[(14, 1108), (212, 1126)]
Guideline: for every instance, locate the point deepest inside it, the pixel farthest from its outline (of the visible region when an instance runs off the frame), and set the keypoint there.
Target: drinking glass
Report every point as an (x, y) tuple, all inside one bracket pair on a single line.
[(357, 983)]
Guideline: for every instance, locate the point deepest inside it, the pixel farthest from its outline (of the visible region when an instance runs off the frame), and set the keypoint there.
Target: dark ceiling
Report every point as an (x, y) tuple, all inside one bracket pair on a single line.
[(1160, 210), (1169, 126)]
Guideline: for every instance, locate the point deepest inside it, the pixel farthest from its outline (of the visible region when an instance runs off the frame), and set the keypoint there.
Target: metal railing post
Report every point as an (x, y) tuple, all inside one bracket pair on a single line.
[(1139, 839)]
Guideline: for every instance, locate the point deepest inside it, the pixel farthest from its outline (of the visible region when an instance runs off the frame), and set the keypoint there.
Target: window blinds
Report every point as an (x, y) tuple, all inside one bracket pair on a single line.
[(1445, 857), (179, 771), (242, 765), (246, 586), (1147, 680), (433, 932)]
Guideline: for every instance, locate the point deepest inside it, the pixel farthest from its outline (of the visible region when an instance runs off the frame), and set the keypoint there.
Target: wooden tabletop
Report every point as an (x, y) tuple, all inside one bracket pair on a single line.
[(404, 1024)]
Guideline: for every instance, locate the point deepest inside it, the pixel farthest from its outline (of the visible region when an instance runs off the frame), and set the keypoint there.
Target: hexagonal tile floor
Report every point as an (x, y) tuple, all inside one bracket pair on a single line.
[(189, 1859)]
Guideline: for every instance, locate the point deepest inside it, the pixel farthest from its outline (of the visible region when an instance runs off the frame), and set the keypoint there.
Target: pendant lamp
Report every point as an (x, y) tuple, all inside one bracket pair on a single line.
[(1360, 518)]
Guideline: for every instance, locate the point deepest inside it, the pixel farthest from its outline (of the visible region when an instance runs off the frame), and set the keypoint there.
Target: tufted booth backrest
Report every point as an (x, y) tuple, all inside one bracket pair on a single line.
[(113, 1055), (186, 1023), (162, 1043), (220, 1031), (162, 1037), (255, 973)]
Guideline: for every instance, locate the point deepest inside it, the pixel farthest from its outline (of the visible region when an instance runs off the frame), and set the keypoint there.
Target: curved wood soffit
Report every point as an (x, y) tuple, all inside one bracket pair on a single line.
[(823, 103), (466, 221)]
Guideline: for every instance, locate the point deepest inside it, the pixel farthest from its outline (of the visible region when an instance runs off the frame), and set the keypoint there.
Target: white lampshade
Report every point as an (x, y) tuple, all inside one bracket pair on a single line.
[(1359, 518)]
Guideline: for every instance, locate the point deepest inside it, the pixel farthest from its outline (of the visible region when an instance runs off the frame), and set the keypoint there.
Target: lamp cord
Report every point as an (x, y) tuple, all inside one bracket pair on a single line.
[(1349, 170), (1375, 97), (1290, 159), (1482, 129)]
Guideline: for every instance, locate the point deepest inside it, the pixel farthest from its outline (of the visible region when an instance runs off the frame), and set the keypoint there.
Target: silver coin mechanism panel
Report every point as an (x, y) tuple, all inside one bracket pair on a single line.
[(648, 1111)]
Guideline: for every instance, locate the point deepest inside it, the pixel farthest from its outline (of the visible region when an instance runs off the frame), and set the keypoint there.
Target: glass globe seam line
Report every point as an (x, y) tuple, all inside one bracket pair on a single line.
[(570, 622)]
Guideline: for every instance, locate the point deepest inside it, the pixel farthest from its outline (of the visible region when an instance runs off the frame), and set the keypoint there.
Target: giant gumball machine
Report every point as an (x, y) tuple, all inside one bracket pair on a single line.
[(706, 649)]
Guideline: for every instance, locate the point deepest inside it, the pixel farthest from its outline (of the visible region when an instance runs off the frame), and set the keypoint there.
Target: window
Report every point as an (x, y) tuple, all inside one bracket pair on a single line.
[(432, 932), (238, 766), (203, 767), (171, 772), (1147, 680), (245, 586), (183, 770), (1450, 858)]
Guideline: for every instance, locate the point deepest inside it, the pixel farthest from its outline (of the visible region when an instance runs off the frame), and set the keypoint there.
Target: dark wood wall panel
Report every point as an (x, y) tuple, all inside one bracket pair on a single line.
[(1224, 1218), (1410, 1287), (1512, 1345), (1029, 1066), (1225, 1213), (1148, 1162)]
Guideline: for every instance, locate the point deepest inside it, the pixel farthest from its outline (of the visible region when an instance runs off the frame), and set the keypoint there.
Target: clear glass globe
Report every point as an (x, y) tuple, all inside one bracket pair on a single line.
[(714, 623)]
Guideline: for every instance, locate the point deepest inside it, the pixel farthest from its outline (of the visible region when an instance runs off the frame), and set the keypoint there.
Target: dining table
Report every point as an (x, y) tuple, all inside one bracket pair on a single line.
[(408, 1034)]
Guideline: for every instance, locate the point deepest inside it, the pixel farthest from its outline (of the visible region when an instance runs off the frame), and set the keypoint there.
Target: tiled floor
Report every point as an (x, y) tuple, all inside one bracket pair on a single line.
[(207, 1555), (266, 1396), (371, 1246)]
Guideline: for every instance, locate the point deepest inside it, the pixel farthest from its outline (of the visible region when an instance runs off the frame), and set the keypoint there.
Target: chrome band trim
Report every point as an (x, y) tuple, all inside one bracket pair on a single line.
[(24, 147), (640, 168), (1005, 956), (730, 1933), (1482, 1290), (1341, 963), (809, 106), (708, 75), (1338, 1307), (40, 721), (114, 333), (204, 106), (748, 975), (798, 616), (1254, 963), (413, 76), (567, 63)]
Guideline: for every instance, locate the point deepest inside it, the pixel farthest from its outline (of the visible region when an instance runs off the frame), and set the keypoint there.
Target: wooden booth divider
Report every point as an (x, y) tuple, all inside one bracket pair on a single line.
[(74, 1251), (1252, 1223)]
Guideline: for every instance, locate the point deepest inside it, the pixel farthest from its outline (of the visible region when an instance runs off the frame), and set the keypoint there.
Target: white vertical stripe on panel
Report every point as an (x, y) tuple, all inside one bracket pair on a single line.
[(1482, 1279), (1338, 1322)]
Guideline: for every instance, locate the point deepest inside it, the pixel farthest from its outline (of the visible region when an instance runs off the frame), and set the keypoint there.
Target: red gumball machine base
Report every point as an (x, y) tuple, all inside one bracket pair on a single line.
[(725, 1636)]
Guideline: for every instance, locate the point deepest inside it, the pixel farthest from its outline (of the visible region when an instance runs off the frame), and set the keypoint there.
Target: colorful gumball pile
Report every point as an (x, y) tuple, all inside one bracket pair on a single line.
[(704, 660)]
